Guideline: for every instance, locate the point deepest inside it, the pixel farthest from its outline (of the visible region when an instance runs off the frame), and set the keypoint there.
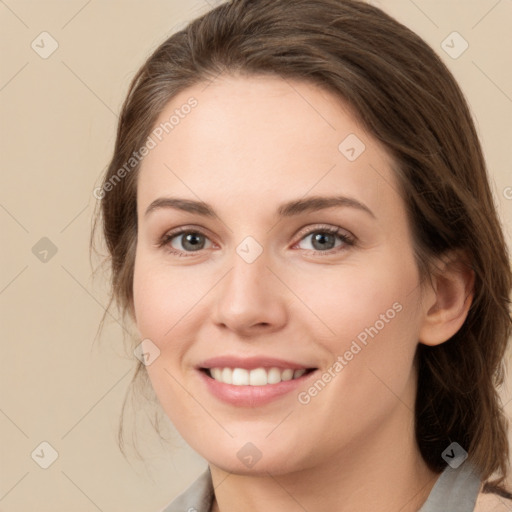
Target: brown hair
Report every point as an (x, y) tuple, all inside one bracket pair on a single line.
[(409, 101)]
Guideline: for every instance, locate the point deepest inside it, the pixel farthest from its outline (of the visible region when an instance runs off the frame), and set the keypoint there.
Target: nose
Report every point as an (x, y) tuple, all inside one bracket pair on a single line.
[(250, 299)]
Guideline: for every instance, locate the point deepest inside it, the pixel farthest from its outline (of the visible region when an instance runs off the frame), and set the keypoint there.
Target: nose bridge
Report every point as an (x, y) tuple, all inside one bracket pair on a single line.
[(250, 295), (249, 276)]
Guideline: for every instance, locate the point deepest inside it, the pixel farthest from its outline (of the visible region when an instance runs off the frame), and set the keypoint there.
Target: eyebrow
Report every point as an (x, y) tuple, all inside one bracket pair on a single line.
[(288, 209)]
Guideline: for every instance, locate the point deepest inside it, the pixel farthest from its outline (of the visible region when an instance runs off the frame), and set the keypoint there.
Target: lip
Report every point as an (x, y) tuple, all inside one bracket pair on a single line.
[(251, 396), (250, 363)]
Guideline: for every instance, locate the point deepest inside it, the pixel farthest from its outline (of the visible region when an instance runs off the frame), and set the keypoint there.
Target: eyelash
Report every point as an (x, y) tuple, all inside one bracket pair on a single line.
[(347, 240)]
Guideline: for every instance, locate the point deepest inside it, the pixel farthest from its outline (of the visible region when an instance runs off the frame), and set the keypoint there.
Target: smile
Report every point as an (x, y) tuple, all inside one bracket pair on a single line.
[(252, 381)]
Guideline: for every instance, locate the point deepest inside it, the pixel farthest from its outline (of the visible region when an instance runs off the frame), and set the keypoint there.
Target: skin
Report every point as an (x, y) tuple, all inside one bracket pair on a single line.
[(251, 144)]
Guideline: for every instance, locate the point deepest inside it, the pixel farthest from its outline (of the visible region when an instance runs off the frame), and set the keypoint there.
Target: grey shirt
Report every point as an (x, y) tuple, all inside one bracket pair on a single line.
[(455, 490)]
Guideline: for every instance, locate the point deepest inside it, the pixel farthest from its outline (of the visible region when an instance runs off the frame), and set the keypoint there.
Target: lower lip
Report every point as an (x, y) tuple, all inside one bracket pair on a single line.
[(251, 396)]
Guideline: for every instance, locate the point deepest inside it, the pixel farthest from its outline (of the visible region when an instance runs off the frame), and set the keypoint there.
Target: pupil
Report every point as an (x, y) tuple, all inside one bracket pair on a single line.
[(193, 240), (322, 239)]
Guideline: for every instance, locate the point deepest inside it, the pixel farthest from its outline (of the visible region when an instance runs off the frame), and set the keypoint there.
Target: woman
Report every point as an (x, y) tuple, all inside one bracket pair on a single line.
[(301, 229)]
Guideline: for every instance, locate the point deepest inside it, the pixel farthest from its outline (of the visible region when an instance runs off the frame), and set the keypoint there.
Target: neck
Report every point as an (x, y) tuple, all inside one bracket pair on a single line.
[(382, 470)]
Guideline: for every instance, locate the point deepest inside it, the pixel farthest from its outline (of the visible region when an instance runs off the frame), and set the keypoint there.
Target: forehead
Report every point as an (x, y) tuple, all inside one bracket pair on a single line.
[(261, 138)]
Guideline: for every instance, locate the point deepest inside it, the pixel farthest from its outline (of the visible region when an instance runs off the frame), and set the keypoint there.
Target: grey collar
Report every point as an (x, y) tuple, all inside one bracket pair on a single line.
[(456, 490)]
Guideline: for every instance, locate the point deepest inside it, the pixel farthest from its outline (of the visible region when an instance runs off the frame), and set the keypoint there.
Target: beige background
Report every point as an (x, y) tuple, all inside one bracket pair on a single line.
[(58, 124)]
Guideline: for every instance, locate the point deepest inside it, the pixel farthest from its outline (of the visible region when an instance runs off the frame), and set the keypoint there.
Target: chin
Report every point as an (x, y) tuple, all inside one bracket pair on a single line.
[(251, 460), (260, 468)]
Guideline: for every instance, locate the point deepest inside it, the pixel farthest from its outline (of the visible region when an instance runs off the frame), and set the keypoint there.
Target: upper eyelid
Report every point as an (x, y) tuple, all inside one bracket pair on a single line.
[(304, 231), (327, 227), (185, 229)]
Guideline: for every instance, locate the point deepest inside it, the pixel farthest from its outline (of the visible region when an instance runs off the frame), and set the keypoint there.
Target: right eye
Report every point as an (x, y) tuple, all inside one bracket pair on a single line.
[(184, 241)]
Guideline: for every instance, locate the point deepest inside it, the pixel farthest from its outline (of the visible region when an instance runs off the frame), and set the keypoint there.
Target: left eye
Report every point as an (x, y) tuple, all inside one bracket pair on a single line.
[(325, 240)]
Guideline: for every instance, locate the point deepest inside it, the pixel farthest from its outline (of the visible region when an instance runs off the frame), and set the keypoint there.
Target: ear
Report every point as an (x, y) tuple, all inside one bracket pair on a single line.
[(446, 301)]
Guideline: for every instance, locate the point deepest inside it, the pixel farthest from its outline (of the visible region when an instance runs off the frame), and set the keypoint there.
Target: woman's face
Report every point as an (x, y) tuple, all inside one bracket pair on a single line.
[(272, 242)]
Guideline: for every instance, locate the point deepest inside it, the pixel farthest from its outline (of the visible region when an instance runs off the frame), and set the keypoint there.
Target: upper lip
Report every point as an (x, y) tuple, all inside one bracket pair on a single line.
[(250, 363)]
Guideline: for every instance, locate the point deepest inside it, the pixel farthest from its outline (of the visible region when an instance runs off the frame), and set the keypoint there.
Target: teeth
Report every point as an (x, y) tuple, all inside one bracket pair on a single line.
[(287, 374), (256, 377), (217, 373), (273, 376), (240, 377), (225, 375)]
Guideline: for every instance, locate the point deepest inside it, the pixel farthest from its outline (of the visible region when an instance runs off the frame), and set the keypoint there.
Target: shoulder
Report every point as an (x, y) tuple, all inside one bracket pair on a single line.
[(489, 502)]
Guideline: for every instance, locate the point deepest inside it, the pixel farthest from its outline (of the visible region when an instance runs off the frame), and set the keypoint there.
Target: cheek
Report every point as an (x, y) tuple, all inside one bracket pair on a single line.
[(163, 297), (370, 318), (352, 299)]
